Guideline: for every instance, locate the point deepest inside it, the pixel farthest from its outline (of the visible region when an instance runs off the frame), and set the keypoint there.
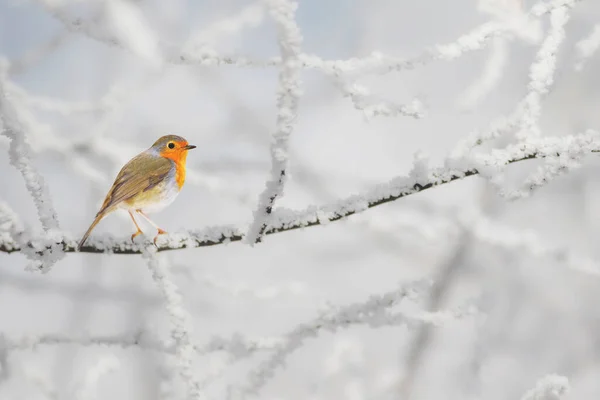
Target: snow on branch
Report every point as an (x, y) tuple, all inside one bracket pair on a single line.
[(236, 345), (541, 72), (180, 321), (282, 220), (363, 101), (19, 153), (377, 62), (290, 39), (524, 120), (553, 167), (49, 244), (551, 387), (374, 312)]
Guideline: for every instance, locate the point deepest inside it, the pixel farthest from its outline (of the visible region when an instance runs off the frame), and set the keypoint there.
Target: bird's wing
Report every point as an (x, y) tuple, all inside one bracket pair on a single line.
[(141, 173)]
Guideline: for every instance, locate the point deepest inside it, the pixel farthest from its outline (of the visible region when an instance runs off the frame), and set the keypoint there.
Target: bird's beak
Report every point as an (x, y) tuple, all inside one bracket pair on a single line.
[(189, 147)]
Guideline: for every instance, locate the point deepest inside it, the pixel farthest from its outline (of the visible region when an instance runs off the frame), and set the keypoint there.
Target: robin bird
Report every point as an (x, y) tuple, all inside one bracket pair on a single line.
[(149, 182)]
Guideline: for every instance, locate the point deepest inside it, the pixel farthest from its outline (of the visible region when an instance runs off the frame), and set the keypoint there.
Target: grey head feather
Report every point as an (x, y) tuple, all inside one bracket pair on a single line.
[(162, 141)]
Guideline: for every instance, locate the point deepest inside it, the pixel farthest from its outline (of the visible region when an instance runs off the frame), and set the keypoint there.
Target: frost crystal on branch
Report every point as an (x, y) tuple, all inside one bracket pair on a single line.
[(283, 13)]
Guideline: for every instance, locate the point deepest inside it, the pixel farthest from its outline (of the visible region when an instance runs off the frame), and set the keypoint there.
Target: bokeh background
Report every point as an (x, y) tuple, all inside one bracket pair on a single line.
[(88, 107)]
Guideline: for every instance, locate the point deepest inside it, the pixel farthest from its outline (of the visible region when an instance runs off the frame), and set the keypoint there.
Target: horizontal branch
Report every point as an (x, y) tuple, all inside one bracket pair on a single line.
[(218, 235), (142, 340), (472, 41), (288, 220)]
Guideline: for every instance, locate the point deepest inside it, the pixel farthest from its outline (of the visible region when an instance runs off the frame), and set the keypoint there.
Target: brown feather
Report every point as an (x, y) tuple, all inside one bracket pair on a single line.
[(87, 233), (141, 173)]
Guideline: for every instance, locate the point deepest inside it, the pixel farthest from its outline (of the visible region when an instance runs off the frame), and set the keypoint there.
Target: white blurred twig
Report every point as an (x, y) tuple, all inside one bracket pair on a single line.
[(375, 63), (87, 387), (551, 387), (33, 56), (373, 312), (492, 72), (235, 345), (249, 16), (587, 47), (125, 20), (363, 101), (180, 321), (20, 157), (541, 73), (19, 153)]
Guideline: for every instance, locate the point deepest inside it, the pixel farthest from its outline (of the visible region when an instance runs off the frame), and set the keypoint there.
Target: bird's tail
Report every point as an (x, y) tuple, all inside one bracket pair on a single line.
[(98, 218)]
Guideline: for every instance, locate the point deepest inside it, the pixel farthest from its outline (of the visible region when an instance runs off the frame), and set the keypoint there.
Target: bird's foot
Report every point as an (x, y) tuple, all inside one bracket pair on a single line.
[(139, 232), (160, 232)]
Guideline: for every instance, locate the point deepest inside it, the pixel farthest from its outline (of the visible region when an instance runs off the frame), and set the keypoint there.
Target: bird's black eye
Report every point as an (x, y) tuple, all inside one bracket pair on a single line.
[(171, 145)]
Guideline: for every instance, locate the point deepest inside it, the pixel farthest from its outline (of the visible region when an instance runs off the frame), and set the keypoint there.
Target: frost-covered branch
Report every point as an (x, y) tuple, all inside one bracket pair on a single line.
[(552, 168), (374, 312), (180, 321), (363, 101), (524, 119), (290, 39), (541, 72), (236, 345), (19, 154), (374, 63), (421, 178)]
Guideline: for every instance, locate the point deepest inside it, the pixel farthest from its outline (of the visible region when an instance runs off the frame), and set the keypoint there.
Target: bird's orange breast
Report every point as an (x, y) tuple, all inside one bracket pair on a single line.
[(180, 174), (179, 158)]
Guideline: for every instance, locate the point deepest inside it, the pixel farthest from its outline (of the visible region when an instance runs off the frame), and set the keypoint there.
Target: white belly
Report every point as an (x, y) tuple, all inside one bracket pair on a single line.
[(168, 196), (155, 199)]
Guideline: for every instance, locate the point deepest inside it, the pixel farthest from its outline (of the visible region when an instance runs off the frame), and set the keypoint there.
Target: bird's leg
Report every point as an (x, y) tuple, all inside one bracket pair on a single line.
[(160, 231), (136, 225)]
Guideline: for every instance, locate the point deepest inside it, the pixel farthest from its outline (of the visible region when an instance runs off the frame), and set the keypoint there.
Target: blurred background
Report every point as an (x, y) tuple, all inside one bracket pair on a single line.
[(88, 106)]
